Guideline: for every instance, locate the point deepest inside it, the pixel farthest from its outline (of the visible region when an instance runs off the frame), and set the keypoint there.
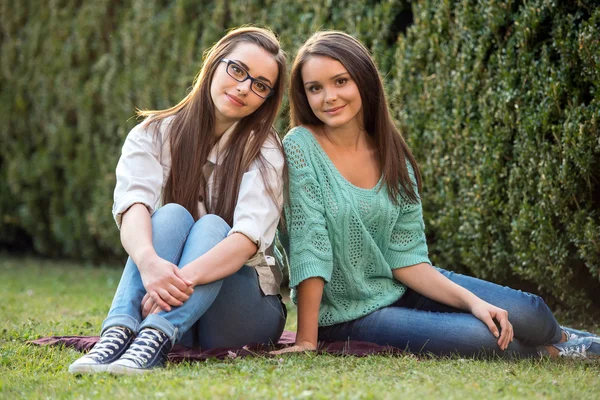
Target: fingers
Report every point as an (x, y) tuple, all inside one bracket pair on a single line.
[(178, 294), (292, 349), (168, 298), (146, 307), (150, 307), (155, 310), (145, 299), (507, 329), (159, 301), (183, 284), (487, 319)]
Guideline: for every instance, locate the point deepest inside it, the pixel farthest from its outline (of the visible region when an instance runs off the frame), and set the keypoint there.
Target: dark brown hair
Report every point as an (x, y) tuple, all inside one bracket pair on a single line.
[(191, 132), (377, 121)]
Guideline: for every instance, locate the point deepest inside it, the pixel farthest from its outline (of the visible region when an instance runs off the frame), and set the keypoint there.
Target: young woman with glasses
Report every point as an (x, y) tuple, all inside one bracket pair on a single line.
[(198, 273), (359, 265)]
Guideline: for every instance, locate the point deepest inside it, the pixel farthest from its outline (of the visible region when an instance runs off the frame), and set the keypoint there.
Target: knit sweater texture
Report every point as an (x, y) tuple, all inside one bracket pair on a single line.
[(351, 237)]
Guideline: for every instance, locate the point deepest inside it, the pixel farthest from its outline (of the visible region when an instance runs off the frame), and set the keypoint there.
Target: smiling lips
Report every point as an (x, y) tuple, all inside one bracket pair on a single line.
[(334, 110), (235, 100)]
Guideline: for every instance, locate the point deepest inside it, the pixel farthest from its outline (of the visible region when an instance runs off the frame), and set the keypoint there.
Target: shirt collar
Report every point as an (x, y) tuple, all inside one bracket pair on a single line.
[(212, 156)]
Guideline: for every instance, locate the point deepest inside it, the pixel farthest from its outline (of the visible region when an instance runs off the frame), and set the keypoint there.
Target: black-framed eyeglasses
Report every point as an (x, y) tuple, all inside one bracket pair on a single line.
[(237, 72)]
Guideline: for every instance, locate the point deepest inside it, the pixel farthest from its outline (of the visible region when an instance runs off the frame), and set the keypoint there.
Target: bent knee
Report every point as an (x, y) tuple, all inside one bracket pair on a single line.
[(213, 223), (173, 213)]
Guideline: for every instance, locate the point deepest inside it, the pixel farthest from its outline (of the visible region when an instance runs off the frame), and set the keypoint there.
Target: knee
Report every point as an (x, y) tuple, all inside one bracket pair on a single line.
[(531, 314), (537, 304), (172, 213), (213, 224)]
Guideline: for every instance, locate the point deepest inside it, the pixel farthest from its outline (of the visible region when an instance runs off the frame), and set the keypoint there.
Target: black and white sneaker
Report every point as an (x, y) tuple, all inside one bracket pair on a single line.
[(149, 350), (582, 348), (112, 344)]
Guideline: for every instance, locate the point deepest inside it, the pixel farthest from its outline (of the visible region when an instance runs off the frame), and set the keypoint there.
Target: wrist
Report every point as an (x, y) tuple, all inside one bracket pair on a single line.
[(305, 340), (471, 301), (143, 255), (306, 344), (189, 273)]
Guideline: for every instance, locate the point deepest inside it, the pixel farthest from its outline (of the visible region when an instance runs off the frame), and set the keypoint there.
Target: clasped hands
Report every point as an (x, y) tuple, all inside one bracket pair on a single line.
[(166, 286)]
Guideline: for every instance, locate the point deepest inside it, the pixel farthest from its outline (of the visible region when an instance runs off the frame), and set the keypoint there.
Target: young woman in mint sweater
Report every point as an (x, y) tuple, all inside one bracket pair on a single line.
[(198, 272), (359, 265)]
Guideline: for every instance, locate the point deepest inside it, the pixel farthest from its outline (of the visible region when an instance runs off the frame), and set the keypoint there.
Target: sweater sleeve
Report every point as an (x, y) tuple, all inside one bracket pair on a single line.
[(408, 245), (310, 253)]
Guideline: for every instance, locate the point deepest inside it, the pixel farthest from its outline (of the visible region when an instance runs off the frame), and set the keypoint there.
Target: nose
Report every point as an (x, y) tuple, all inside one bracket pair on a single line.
[(244, 87), (330, 95)]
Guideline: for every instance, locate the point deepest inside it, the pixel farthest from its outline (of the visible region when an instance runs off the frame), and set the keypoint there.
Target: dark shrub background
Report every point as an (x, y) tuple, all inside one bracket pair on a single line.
[(499, 101)]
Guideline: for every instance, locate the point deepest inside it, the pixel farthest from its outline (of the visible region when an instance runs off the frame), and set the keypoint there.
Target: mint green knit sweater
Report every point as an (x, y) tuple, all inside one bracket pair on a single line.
[(351, 237)]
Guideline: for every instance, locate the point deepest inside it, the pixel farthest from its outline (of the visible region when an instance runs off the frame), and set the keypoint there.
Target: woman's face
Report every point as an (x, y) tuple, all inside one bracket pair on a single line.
[(235, 100), (332, 94)]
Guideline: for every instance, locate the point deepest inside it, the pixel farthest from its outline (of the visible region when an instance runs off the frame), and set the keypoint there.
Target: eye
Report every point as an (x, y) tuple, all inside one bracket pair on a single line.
[(237, 70), (259, 86), (314, 88), (341, 81)]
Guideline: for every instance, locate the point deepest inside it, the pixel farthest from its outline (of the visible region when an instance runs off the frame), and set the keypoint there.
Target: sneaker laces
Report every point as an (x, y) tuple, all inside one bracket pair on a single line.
[(573, 351), (109, 342), (144, 346)]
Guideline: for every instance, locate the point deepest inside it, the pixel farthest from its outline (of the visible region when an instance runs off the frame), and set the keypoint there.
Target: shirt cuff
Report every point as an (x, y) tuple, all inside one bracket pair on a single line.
[(258, 258), (125, 202)]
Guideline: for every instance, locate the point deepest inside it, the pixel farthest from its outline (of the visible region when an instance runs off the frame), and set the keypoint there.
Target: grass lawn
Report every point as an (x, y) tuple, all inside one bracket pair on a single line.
[(44, 298)]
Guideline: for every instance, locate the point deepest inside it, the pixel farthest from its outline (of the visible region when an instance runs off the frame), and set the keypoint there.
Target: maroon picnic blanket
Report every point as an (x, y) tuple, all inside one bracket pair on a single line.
[(181, 353)]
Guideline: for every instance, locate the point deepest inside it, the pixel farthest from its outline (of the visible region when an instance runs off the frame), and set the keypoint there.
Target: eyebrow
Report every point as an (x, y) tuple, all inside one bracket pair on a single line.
[(262, 78), (331, 79)]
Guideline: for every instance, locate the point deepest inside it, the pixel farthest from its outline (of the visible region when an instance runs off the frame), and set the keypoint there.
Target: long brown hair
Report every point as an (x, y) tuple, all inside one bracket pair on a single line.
[(377, 121), (191, 132)]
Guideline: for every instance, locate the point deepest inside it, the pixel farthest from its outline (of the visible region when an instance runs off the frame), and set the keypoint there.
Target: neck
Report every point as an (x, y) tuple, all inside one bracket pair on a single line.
[(346, 137), (221, 125)]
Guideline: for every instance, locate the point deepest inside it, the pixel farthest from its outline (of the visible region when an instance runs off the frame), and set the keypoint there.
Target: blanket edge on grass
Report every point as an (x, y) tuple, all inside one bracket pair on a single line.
[(181, 353)]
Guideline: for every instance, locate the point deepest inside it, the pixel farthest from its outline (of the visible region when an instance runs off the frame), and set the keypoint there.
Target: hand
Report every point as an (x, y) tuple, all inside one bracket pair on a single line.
[(297, 348), (165, 283), (149, 306), (487, 313)]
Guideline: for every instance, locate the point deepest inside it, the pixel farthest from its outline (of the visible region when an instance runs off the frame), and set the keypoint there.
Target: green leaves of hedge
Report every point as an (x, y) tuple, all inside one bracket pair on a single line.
[(502, 107), (499, 101)]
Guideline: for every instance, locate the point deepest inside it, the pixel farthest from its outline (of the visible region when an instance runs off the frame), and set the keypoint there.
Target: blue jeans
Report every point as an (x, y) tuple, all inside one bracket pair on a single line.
[(231, 312), (421, 325)]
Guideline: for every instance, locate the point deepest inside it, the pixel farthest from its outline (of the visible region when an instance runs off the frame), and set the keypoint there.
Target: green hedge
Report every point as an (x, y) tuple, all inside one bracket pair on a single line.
[(499, 100)]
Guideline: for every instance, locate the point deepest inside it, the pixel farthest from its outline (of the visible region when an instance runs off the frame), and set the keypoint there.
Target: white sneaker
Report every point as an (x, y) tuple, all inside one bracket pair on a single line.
[(112, 344), (582, 348)]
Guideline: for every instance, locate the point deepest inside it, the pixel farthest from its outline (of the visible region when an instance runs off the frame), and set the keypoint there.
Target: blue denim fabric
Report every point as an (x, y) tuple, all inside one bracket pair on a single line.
[(230, 312), (421, 325)]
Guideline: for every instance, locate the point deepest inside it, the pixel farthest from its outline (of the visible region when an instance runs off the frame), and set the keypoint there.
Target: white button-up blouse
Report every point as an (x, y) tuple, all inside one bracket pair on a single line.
[(142, 173)]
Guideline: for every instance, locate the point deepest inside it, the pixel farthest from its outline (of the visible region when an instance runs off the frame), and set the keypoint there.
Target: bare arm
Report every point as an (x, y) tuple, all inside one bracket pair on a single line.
[(310, 292), (426, 280), (223, 260), (429, 282), (136, 234)]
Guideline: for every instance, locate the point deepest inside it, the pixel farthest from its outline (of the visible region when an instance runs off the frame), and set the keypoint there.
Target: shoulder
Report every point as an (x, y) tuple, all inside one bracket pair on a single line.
[(300, 141), (298, 135), (272, 150), (300, 150), (153, 128)]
